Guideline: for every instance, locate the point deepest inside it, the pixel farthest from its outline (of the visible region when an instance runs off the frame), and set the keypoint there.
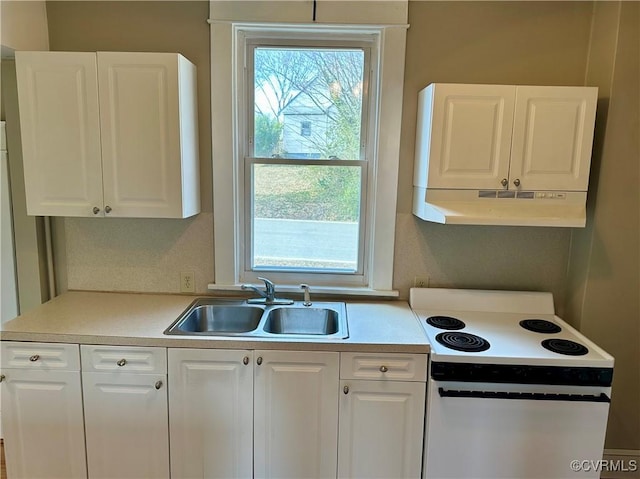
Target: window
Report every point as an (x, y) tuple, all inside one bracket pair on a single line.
[(305, 128), (306, 190), (305, 194)]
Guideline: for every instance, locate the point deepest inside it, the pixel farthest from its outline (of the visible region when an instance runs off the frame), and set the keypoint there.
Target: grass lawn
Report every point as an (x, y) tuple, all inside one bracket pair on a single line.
[(311, 192)]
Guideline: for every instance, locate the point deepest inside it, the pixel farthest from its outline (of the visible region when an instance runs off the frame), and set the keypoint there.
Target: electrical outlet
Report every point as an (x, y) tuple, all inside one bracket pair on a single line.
[(421, 282), (187, 282)]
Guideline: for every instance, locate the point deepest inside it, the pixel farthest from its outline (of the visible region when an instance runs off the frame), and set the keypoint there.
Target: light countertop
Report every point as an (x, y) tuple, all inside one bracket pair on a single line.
[(129, 319)]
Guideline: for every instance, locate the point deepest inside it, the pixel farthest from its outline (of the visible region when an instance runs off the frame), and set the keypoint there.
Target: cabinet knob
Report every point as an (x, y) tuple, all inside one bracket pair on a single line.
[(245, 360), (504, 182), (158, 384), (2, 376), (96, 210), (516, 182), (34, 358), (383, 369), (107, 209), (259, 360), (122, 362), (345, 390)]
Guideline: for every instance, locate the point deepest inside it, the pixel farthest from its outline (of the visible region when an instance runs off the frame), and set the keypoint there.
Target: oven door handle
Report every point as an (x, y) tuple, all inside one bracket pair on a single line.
[(523, 396)]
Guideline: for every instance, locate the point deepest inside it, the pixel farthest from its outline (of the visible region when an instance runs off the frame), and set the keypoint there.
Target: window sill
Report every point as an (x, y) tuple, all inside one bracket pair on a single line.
[(328, 290)]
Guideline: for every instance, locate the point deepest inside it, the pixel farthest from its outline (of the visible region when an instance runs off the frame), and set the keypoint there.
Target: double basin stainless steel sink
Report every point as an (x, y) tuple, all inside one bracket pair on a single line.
[(222, 317)]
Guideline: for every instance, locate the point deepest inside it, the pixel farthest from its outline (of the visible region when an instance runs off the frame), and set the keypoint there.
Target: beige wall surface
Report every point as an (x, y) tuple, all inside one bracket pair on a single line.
[(604, 275), (541, 43), (23, 25), (139, 255)]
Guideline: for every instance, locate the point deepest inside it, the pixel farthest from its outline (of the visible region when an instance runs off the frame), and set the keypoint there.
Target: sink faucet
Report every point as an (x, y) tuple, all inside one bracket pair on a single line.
[(307, 295), (268, 296)]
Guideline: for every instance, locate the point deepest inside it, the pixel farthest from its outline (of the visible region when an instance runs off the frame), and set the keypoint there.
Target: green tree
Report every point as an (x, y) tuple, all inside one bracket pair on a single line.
[(267, 135)]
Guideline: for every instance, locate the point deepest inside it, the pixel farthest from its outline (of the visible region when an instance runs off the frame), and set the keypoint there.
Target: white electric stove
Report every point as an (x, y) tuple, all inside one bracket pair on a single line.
[(514, 391)]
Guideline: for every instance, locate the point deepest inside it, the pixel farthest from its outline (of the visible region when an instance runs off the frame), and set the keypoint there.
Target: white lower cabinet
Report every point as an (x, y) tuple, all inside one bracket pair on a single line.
[(381, 429), (381, 419), (224, 413), (125, 412), (264, 414), (211, 413), (42, 411), (296, 414)]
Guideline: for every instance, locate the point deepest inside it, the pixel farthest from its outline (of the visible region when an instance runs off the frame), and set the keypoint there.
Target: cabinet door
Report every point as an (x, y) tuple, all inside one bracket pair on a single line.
[(381, 429), (552, 137), (296, 414), (140, 115), (211, 413), (60, 128), (42, 424), (126, 425), (463, 135)]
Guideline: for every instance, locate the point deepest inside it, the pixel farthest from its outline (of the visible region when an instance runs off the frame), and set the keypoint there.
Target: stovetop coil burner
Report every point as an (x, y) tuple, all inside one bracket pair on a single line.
[(540, 326), (445, 322), (565, 346), (469, 343)]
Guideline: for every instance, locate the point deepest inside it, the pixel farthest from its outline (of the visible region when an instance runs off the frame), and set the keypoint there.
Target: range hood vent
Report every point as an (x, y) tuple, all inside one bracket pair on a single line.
[(498, 207)]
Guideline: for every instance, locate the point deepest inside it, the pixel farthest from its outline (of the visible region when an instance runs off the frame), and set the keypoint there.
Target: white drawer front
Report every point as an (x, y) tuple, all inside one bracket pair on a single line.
[(65, 357), (394, 367), (124, 358)]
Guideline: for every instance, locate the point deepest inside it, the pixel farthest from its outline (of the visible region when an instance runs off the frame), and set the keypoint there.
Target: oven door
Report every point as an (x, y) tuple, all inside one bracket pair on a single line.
[(482, 430)]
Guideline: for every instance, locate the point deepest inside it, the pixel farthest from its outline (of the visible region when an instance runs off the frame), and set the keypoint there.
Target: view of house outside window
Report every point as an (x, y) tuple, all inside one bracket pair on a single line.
[(307, 162)]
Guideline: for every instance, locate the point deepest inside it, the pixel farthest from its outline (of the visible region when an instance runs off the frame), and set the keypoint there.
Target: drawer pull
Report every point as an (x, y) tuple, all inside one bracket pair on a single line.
[(2, 377), (346, 390), (34, 358), (158, 384), (383, 369), (122, 362)]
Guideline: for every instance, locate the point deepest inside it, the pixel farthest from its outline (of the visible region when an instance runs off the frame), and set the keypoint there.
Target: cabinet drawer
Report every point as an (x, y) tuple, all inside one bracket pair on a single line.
[(124, 358), (27, 355), (394, 367)]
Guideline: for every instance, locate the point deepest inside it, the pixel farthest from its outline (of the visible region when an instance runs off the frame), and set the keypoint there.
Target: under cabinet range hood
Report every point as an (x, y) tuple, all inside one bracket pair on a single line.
[(488, 207), (503, 154)]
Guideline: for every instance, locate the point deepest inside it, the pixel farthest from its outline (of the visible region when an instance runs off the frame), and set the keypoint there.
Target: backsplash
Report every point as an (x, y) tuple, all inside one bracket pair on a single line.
[(141, 255), (147, 255)]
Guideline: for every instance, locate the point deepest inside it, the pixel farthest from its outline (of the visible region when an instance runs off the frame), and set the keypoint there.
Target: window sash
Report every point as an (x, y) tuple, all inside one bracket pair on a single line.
[(361, 268), (253, 43)]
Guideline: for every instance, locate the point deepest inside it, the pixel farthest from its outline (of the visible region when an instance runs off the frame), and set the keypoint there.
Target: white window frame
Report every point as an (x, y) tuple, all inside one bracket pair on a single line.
[(248, 40), (229, 101)]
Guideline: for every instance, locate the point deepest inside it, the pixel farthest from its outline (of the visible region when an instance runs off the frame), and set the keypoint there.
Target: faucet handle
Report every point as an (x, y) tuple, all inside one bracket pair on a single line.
[(269, 287)]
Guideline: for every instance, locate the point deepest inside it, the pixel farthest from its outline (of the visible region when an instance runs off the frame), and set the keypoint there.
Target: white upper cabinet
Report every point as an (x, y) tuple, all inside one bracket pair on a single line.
[(60, 127), (552, 137), (109, 134), (463, 135), (504, 137)]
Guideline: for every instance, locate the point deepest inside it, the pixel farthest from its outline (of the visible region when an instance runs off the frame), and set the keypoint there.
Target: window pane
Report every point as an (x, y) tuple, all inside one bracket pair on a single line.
[(308, 102), (306, 217)]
